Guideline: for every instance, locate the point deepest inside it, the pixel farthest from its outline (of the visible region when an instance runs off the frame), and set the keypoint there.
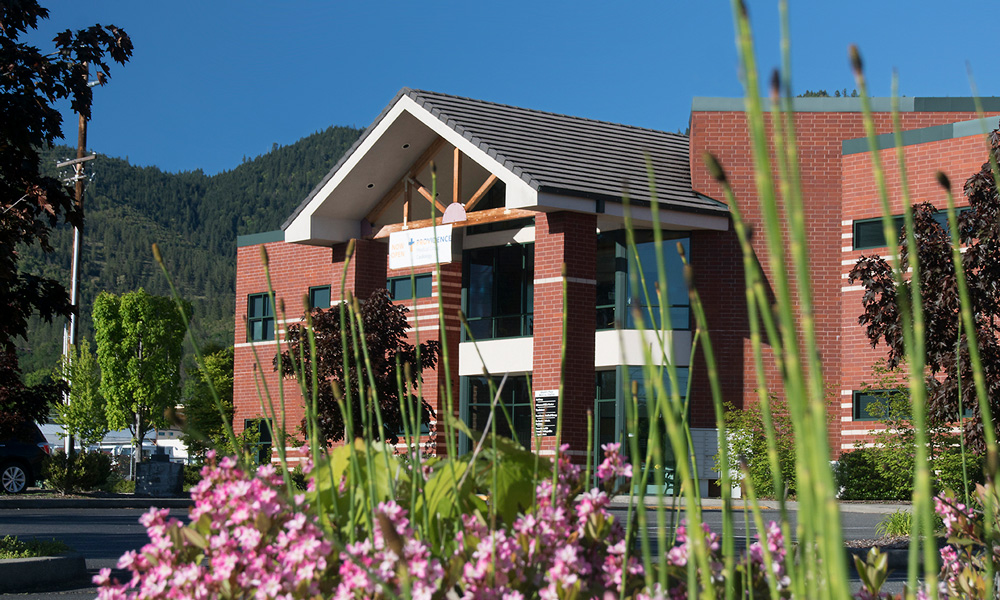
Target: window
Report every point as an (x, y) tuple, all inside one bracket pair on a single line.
[(868, 233), (874, 405), (615, 293), (260, 318), (319, 297), (405, 288), (498, 291), (513, 411), (606, 416), (258, 434)]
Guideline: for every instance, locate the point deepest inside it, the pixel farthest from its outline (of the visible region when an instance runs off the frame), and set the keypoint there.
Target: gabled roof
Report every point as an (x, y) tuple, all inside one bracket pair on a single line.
[(574, 156), (552, 154)]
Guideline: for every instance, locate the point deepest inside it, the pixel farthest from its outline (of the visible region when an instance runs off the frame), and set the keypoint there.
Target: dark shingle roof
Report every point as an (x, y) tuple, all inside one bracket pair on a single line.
[(568, 155), (561, 154)]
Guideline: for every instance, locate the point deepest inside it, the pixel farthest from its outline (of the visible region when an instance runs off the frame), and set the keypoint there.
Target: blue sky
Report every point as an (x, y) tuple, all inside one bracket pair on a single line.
[(216, 80)]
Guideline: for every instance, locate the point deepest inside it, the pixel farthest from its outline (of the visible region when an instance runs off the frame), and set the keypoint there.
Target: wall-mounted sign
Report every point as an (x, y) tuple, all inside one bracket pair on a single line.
[(546, 412), (420, 247)]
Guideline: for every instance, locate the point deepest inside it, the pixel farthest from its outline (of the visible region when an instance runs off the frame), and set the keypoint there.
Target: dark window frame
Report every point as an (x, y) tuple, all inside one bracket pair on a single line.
[(264, 445), (866, 240), (416, 284), (496, 320), (312, 298), (607, 311), (265, 319), (516, 408)]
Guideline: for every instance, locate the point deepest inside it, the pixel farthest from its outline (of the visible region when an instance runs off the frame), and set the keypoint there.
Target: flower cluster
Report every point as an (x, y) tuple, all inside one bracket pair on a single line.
[(614, 464), (245, 540)]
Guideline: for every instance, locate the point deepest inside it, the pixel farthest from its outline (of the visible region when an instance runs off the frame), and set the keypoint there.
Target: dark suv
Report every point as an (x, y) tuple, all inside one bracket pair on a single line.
[(21, 458)]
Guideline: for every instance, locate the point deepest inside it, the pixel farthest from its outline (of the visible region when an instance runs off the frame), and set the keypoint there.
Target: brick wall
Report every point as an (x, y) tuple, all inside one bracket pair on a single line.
[(569, 239), (958, 158), (827, 207), (294, 269)]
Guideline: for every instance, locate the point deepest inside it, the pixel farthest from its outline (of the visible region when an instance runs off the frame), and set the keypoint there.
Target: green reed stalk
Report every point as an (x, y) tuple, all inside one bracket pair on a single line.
[(965, 302), (273, 423), (654, 389), (759, 308), (661, 406), (631, 389), (911, 311), (728, 542), (372, 395), (345, 401), (562, 384), (199, 358), (819, 524), (451, 442), (364, 401)]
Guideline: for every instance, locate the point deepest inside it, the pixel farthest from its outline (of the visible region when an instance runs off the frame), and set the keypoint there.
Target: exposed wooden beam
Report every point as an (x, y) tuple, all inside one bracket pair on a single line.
[(480, 193), (417, 166), (407, 205), (426, 193), (457, 177), (480, 217)]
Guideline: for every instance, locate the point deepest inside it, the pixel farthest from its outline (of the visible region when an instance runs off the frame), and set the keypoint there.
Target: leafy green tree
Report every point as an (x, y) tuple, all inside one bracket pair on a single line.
[(204, 424), (140, 341), (948, 370), (385, 329), (32, 81), (84, 417)]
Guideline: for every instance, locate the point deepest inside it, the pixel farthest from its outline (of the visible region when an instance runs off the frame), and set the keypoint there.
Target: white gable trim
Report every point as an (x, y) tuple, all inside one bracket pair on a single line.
[(306, 228)]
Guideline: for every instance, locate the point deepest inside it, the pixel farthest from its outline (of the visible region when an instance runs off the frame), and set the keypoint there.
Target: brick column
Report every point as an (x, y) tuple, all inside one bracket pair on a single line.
[(569, 239), (366, 270)]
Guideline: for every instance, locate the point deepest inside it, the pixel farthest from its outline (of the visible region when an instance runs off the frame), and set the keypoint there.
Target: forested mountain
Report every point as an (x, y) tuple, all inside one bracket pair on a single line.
[(194, 218)]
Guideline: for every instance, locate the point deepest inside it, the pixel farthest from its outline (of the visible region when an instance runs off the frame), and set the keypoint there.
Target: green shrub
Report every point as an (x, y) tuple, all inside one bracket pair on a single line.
[(192, 475), (11, 547), (895, 524), (89, 471), (874, 474), (748, 440), (882, 473), (947, 472)]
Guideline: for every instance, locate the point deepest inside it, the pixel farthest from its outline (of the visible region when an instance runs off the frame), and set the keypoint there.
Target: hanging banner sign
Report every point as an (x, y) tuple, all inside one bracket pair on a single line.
[(420, 247)]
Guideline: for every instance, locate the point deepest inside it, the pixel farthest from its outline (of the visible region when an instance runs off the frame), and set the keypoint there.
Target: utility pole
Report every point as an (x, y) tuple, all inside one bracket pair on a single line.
[(72, 329)]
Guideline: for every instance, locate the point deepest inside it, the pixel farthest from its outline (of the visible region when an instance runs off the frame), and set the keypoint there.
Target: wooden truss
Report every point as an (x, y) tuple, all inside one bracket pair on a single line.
[(409, 183)]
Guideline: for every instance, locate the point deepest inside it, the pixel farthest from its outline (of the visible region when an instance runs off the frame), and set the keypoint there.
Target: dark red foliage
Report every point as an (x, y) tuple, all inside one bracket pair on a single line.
[(385, 328), (979, 233)]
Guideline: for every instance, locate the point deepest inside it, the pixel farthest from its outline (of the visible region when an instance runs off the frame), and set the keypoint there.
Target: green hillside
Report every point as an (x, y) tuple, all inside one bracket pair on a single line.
[(194, 218)]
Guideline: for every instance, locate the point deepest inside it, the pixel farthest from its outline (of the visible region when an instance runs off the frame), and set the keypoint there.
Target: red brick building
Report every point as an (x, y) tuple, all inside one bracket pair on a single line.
[(523, 194)]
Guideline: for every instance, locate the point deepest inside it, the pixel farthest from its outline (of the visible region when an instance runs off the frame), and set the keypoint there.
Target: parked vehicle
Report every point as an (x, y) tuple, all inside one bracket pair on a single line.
[(21, 458)]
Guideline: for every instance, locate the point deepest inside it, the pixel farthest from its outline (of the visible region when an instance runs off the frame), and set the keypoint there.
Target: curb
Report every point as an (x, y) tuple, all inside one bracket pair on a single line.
[(140, 502), (769, 505), (20, 574), (898, 558)]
